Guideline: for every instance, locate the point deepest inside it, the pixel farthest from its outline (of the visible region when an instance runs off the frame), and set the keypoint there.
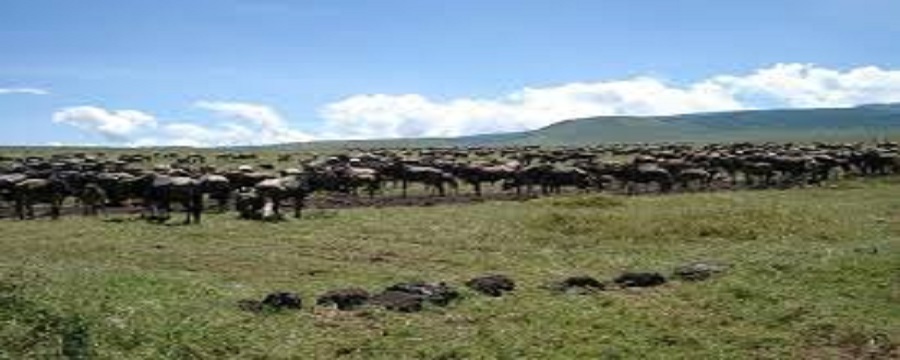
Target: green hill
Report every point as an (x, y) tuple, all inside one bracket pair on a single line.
[(862, 123), (868, 122)]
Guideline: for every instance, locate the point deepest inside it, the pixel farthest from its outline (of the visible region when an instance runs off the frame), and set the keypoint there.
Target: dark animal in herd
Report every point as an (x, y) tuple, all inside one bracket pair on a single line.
[(163, 190), (99, 181)]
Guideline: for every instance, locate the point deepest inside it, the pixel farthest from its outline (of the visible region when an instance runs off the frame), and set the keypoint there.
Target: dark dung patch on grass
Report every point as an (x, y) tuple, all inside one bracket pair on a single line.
[(276, 301), (492, 285), (640, 279), (581, 284), (439, 294), (344, 299), (698, 271), (399, 301)]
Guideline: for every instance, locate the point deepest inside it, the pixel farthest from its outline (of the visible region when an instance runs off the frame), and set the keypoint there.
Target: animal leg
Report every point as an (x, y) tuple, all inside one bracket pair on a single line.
[(20, 209), (298, 207)]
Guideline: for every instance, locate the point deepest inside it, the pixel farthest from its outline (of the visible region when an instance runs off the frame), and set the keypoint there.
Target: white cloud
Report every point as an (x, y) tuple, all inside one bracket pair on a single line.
[(782, 85), (114, 125), (62, 144), (188, 134), (806, 85), (261, 115), (266, 125), (24, 91), (415, 115), (239, 124)]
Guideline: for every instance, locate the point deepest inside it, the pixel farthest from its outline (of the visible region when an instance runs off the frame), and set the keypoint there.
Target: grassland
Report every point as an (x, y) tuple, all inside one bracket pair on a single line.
[(814, 273)]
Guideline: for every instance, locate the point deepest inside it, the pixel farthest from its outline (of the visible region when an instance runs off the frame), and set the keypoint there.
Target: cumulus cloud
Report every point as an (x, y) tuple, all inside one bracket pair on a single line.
[(261, 115), (24, 91), (782, 85), (189, 134), (806, 85), (415, 115), (114, 125), (264, 124), (239, 124)]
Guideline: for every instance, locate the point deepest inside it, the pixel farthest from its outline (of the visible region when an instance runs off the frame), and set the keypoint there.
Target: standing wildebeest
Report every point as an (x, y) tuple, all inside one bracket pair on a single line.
[(476, 175), (550, 178), (293, 186), (7, 186), (93, 199), (218, 188), (559, 176), (695, 178), (119, 187), (431, 177), (162, 190), (246, 178), (634, 174), (758, 173), (361, 177), (326, 178), (874, 162), (793, 170), (249, 204), (51, 190), (727, 164), (824, 165)]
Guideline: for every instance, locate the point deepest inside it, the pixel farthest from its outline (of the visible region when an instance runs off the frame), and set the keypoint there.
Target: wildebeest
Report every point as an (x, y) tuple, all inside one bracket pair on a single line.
[(360, 177), (642, 167), (294, 186), (477, 174), (7, 185), (633, 175), (217, 187), (93, 199), (28, 192), (550, 178), (249, 204), (246, 178), (695, 178), (118, 186), (433, 178), (162, 190)]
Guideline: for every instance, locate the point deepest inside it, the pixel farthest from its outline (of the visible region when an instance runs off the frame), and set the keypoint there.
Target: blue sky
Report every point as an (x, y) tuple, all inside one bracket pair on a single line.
[(210, 72)]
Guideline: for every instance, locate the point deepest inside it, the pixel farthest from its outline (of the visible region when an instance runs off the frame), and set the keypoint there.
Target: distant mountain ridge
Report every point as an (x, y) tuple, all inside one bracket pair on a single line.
[(866, 122)]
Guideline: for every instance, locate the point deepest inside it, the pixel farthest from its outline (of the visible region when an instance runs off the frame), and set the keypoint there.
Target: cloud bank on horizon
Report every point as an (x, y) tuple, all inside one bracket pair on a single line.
[(369, 116)]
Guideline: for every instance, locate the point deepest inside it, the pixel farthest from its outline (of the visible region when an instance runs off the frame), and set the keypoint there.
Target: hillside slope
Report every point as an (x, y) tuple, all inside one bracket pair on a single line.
[(868, 122)]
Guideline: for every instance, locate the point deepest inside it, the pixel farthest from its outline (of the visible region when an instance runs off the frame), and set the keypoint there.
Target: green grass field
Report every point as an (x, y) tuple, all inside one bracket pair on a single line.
[(813, 273)]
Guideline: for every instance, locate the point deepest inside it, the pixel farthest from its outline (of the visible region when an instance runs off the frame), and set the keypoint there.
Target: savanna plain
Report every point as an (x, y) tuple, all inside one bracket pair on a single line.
[(809, 273)]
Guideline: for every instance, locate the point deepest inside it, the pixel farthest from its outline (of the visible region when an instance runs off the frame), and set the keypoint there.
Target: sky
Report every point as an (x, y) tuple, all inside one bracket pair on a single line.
[(245, 72)]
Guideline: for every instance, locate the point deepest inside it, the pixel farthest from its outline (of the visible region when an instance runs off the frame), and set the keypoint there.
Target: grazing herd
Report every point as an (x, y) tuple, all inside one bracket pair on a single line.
[(191, 183)]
